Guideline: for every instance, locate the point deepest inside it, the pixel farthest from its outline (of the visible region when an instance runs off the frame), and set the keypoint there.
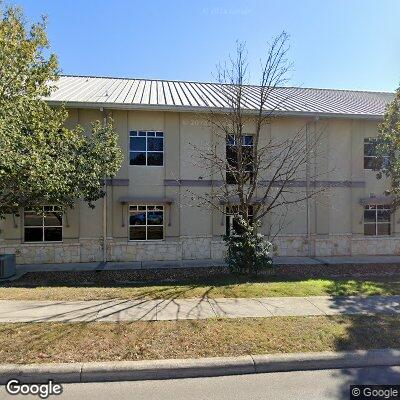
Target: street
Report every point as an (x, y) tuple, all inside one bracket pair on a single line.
[(318, 385)]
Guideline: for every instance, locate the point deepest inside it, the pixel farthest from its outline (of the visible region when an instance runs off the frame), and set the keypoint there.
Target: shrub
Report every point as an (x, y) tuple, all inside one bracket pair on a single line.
[(250, 252)]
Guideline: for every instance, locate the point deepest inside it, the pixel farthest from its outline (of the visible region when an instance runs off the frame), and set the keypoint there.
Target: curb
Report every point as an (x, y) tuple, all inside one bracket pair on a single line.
[(193, 368)]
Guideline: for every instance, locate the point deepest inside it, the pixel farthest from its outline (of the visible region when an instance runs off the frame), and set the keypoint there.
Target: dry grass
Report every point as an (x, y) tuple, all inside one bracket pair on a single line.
[(230, 287), (77, 342)]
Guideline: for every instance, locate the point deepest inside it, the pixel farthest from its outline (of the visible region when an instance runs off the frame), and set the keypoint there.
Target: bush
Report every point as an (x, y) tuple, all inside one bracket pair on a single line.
[(249, 252)]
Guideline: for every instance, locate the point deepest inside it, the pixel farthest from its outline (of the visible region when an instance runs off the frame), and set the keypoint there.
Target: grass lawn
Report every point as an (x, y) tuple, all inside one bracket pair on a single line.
[(214, 288), (97, 341)]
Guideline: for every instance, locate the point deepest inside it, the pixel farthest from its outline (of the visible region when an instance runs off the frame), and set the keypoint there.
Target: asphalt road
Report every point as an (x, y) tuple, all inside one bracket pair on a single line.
[(318, 385)]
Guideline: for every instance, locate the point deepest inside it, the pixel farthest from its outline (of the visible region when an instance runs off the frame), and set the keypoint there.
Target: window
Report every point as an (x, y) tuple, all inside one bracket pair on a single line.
[(377, 220), (45, 227), (369, 152), (232, 220), (146, 222), (232, 159), (146, 148)]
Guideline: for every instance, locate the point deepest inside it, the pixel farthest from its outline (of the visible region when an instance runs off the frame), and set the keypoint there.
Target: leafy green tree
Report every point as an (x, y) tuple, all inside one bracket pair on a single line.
[(388, 148), (43, 162)]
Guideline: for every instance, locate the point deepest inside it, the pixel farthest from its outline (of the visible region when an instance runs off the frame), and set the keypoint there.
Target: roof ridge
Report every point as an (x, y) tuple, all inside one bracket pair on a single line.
[(217, 83)]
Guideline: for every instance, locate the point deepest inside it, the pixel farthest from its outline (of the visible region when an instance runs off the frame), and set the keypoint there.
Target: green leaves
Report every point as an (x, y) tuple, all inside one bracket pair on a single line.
[(388, 147), (42, 162), (24, 69)]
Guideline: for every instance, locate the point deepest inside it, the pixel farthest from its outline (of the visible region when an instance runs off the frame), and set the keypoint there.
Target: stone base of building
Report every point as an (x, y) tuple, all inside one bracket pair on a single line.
[(195, 248), (337, 245)]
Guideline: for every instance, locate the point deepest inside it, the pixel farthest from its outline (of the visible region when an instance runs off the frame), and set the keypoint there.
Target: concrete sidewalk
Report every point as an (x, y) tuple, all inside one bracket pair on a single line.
[(184, 309)]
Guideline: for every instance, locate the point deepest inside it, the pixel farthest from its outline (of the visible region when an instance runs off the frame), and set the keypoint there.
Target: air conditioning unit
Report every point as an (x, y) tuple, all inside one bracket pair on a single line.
[(7, 266)]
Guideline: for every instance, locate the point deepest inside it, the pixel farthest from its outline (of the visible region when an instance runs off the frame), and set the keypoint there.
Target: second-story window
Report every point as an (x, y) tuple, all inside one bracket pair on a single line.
[(146, 148), (232, 158), (369, 152)]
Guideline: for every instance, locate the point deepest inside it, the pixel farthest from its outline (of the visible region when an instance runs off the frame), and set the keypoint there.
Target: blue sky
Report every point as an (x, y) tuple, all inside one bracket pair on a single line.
[(344, 44)]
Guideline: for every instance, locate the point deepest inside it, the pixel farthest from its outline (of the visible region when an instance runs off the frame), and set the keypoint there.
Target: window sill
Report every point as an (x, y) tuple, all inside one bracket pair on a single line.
[(147, 166), (377, 236), (146, 241), (42, 243)]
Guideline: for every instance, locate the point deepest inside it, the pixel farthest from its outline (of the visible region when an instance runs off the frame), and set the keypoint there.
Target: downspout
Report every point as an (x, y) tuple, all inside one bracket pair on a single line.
[(314, 249), (308, 223), (104, 203)]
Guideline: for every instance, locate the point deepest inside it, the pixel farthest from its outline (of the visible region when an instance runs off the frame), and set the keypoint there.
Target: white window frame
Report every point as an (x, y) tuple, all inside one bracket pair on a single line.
[(376, 223), (51, 208), (157, 134), (137, 207), (229, 218)]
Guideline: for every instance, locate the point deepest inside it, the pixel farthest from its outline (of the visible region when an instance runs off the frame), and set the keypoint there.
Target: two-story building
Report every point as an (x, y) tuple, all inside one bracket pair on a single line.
[(148, 213)]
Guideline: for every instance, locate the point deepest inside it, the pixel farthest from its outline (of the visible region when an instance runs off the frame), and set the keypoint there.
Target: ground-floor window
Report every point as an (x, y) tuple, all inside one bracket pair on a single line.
[(146, 222), (232, 220), (377, 220), (43, 227)]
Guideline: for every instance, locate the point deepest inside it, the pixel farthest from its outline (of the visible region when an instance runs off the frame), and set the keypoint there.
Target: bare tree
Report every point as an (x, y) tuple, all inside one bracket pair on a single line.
[(250, 167)]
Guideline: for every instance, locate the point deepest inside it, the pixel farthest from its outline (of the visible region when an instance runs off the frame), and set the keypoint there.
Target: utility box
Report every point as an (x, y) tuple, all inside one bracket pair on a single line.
[(7, 266)]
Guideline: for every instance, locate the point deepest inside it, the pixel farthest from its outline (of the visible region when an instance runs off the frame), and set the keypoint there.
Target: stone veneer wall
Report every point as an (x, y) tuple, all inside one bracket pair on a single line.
[(189, 248), (337, 245)]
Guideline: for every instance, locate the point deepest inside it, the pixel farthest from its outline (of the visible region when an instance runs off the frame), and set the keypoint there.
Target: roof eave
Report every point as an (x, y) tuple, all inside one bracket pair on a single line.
[(199, 109)]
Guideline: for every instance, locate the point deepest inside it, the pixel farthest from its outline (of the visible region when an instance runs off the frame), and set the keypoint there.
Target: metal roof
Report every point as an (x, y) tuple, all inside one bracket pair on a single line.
[(107, 92)]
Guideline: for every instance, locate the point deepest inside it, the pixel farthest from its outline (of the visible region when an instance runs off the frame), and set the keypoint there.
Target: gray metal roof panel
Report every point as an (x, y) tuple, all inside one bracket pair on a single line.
[(201, 96)]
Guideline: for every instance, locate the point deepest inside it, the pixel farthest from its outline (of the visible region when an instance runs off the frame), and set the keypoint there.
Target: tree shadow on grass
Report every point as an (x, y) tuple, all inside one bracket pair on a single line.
[(375, 324), (76, 321), (367, 286), (143, 307), (116, 288), (129, 278), (165, 301), (124, 279)]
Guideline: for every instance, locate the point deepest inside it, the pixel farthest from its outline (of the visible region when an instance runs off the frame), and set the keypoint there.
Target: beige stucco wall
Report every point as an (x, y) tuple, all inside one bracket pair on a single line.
[(193, 230)]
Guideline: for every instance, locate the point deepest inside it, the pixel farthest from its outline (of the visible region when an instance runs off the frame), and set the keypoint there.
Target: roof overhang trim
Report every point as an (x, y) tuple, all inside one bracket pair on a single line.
[(145, 200), (377, 200), (235, 201), (155, 107)]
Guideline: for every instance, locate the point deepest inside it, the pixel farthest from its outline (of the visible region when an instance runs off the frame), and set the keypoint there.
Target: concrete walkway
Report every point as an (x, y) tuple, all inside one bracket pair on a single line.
[(182, 309)]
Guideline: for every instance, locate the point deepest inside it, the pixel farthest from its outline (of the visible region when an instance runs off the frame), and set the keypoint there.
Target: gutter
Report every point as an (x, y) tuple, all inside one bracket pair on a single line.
[(308, 205), (174, 108), (115, 371), (104, 202)]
